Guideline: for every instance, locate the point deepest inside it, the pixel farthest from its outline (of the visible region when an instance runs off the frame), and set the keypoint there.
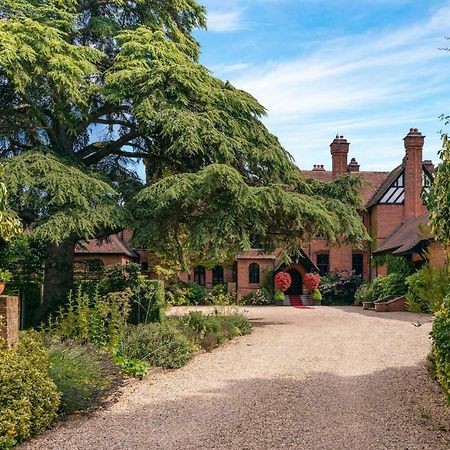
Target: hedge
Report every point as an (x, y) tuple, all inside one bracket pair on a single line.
[(441, 346), (29, 399)]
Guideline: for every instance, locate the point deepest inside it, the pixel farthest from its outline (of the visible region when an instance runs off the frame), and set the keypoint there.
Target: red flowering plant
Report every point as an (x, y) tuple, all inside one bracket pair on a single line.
[(282, 281), (311, 281)]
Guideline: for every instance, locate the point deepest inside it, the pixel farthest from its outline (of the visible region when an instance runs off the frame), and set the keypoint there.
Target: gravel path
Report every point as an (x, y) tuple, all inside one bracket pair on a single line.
[(325, 378)]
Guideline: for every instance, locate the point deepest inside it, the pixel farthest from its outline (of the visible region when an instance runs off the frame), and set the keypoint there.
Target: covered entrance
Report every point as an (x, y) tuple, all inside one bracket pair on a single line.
[(296, 287)]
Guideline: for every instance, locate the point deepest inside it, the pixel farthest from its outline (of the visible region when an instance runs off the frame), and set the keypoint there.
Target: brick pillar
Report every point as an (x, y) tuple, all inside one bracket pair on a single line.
[(339, 153), (413, 174), (9, 312)]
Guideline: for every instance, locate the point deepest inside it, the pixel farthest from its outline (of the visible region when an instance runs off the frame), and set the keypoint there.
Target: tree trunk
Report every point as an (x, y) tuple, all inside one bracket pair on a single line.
[(58, 279)]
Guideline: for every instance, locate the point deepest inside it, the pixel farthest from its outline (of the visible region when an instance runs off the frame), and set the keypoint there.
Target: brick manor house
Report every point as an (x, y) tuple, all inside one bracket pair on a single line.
[(394, 214)]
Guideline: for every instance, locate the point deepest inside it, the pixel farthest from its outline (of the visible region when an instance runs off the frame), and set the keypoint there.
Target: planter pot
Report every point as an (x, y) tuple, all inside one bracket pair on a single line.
[(2, 288), (306, 300), (317, 302), (367, 305), (381, 307)]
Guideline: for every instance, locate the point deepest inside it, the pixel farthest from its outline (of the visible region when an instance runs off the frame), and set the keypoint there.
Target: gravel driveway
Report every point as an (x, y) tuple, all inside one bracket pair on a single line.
[(324, 378)]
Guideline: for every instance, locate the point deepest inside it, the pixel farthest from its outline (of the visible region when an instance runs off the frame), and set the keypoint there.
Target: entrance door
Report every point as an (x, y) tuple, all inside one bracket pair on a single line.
[(296, 287)]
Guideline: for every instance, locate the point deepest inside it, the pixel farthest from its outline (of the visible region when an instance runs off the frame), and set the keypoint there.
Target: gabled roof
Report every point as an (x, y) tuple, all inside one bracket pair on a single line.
[(373, 179), (407, 238), (301, 258), (378, 195), (112, 245)]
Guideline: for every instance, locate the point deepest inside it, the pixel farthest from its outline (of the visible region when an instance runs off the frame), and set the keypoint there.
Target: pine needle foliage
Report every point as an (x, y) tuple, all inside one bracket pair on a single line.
[(10, 225), (57, 201)]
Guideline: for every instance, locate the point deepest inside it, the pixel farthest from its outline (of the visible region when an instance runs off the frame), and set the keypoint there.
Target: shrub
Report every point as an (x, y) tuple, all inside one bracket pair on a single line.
[(190, 293), (83, 375), (161, 345), (260, 297), (311, 281), (381, 287), (339, 288), (99, 320), (361, 293), (29, 399), (279, 296), (441, 346), (219, 296), (282, 281), (148, 302), (426, 289), (211, 330)]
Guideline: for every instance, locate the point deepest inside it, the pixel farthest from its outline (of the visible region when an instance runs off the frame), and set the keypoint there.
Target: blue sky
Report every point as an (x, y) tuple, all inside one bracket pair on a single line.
[(369, 70)]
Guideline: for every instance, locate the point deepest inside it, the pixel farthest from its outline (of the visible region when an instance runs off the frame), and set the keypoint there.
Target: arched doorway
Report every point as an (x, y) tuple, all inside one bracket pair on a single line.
[(296, 287)]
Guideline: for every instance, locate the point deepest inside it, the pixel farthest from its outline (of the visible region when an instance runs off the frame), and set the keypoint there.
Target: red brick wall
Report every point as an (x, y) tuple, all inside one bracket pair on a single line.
[(385, 219), (243, 285), (9, 322)]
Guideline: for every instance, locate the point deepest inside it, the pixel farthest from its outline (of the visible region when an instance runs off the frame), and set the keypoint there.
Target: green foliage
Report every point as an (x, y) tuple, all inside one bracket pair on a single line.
[(58, 201), (441, 346), (211, 330), (190, 293), (5, 276), (381, 287), (438, 197), (279, 296), (161, 345), (361, 293), (427, 288), (100, 320), (134, 367), (82, 374), (24, 258), (220, 296), (148, 302), (260, 297), (339, 288), (234, 212), (28, 397), (10, 225)]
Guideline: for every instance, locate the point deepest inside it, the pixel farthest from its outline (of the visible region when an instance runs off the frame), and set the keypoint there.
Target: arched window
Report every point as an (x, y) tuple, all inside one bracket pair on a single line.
[(253, 273), (199, 275), (217, 275)]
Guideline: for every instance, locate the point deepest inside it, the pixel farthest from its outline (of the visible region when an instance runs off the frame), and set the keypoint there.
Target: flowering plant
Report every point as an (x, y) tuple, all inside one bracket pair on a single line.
[(283, 280), (311, 281)]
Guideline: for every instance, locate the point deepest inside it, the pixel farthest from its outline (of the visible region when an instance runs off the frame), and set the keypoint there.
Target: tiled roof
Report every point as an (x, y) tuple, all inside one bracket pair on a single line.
[(112, 245), (407, 236), (374, 181)]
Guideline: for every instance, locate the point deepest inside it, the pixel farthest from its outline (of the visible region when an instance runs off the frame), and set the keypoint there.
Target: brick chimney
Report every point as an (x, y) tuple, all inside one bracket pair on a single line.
[(339, 152), (353, 166), (413, 174), (318, 168), (429, 166)]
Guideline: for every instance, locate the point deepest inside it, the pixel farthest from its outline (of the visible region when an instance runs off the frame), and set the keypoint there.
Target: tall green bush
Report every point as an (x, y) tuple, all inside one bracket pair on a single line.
[(427, 289), (441, 345), (99, 319), (29, 399), (385, 286)]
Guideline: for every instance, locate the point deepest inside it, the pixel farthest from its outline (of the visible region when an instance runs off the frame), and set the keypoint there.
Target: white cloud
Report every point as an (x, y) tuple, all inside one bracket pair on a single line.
[(222, 21), (382, 83)]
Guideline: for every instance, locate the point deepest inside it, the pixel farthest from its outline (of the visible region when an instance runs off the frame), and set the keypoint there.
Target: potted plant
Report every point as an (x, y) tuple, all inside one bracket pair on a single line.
[(5, 276), (279, 297), (311, 282), (282, 281), (317, 298)]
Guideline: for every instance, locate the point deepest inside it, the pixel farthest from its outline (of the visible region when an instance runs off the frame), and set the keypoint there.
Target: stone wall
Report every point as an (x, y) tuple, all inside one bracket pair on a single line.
[(9, 312)]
